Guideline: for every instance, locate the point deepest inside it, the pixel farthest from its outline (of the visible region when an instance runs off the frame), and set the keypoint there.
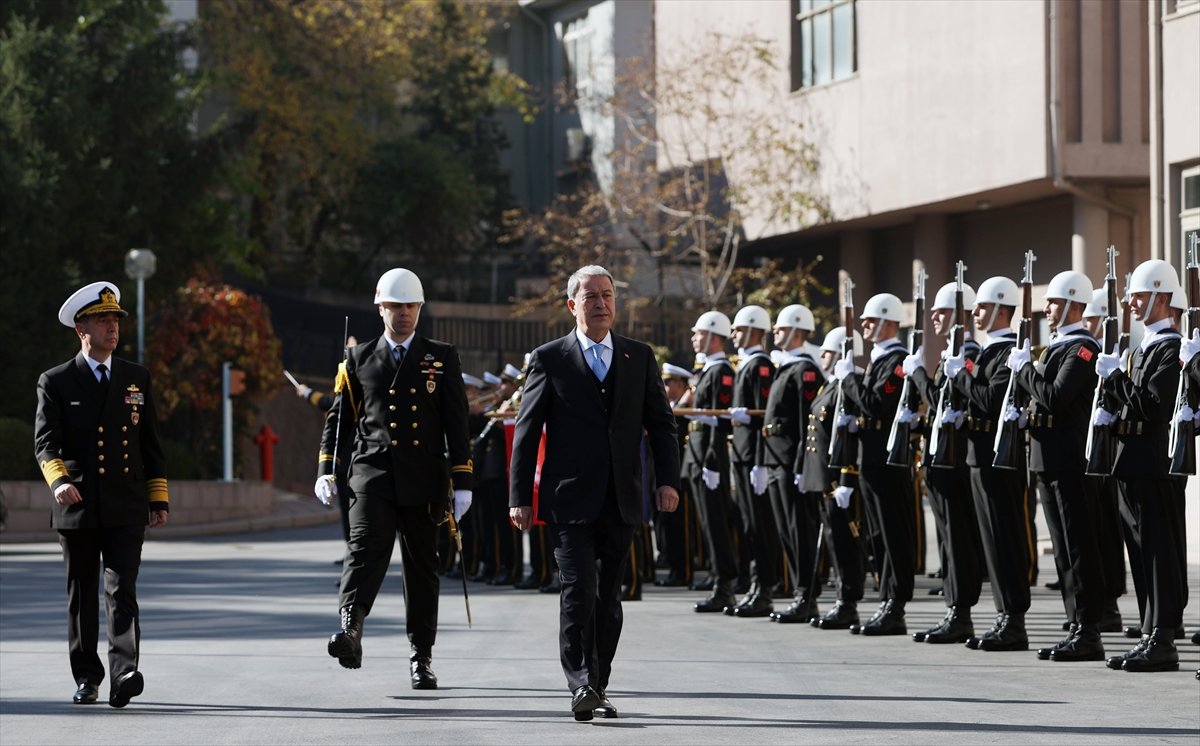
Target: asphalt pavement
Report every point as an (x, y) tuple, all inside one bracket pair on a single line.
[(233, 651)]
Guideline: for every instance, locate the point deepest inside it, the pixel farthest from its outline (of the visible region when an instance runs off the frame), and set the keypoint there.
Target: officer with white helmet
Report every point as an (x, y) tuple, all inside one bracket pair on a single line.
[(401, 397), (1095, 312), (1060, 396), (706, 460), (1142, 394), (887, 490)]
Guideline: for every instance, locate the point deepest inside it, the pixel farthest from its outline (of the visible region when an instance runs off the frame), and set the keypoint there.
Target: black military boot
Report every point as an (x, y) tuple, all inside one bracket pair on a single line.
[(1044, 653), (890, 623), (801, 611), (757, 605), (974, 640), (1117, 662), (346, 645), (751, 592), (1159, 654), (920, 636), (1084, 646), (1011, 635), (958, 628), (419, 662), (722, 597), (841, 616), (856, 628)]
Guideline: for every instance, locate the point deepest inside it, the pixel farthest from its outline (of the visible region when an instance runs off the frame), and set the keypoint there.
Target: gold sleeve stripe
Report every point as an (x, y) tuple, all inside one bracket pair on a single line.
[(158, 490), (324, 457), (467, 468), (850, 470), (53, 470), (314, 398)]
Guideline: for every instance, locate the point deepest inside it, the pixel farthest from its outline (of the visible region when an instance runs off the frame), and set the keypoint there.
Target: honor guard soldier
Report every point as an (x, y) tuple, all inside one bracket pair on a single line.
[(949, 485), (1059, 388), (673, 530), (886, 490), (999, 494), (401, 397), (1142, 396), (706, 461), (797, 382), (837, 490), (751, 388), (96, 440)]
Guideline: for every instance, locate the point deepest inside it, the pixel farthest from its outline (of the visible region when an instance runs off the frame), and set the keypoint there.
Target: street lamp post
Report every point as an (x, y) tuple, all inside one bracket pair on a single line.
[(140, 265)]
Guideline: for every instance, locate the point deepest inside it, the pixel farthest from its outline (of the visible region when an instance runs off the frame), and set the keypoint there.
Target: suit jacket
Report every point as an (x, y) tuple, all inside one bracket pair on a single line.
[(588, 451), (1145, 398), (708, 447), (792, 394), (876, 396), (106, 444), (751, 388), (1062, 391), (409, 425)]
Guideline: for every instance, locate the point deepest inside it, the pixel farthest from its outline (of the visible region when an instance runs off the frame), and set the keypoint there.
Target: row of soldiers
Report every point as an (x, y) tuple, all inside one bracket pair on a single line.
[(758, 457)]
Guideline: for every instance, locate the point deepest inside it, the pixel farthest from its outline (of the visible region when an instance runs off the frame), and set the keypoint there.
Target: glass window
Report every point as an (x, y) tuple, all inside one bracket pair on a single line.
[(577, 48), (823, 42)]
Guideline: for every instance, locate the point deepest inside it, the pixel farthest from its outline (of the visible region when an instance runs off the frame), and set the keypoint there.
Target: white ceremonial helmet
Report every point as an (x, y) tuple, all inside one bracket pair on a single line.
[(754, 317), (1179, 300), (795, 316), (944, 299), (399, 285), (1000, 290), (1071, 286), (835, 338), (884, 306), (1154, 276), (713, 322), (1098, 306)]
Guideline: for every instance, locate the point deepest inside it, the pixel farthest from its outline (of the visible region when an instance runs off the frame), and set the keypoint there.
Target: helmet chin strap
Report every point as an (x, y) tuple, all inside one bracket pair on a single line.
[(991, 318)]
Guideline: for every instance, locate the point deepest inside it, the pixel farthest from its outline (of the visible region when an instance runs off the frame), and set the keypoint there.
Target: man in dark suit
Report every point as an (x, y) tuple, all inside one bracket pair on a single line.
[(401, 397), (95, 439), (595, 393)]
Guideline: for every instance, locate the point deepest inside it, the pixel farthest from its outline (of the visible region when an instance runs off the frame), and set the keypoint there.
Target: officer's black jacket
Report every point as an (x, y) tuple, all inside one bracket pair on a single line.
[(795, 387), (751, 388), (875, 396), (984, 388), (708, 447), (1145, 398), (1062, 403)]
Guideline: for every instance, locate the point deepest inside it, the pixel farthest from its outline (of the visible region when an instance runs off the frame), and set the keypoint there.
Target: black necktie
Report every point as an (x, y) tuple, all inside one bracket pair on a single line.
[(103, 374), (398, 355)]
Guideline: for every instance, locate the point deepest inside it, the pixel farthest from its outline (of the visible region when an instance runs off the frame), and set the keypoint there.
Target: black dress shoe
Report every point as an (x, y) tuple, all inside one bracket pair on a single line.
[(554, 586), (127, 686), (957, 629), (529, 583), (86, 694), (702, 585), (973, 641), (1084, 646), (755, 607), (605, 709), (856, 628), (1133, 632), (1055, 585), (716, 603), (802, 610), (423, 677), (920, 636), (584, 701), (891, 622), (747, 598), (1159, 654), (1196, 638), (671, 581), (841, 616), (1117, 662), (937, 590), (1044, 653), (1066, 626), (346, 645), (484, 575)]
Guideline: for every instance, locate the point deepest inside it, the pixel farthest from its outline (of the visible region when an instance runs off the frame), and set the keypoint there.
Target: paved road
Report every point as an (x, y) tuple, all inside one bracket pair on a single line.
[(233, 652)]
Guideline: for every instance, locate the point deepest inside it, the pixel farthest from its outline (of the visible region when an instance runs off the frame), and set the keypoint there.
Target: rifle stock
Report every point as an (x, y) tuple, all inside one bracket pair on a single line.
[(1182, 441), (841, 451), (900, 437), (943, 445), (1101, 448)]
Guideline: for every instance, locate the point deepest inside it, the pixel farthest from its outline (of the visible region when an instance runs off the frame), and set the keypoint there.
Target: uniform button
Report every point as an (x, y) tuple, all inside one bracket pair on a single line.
[(126, 469), (100, 443), (100, 457), (100, 429), (392, 392), (414, 425), (395, 443), (416, 442), (412, 391), (126, 457), (391, 407), (101, 469), (414, 407), (124, 442), (392, 425), (123, 428)]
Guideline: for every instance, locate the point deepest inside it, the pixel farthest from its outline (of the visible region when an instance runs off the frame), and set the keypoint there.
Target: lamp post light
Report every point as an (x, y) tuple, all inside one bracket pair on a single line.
[(140, 265)]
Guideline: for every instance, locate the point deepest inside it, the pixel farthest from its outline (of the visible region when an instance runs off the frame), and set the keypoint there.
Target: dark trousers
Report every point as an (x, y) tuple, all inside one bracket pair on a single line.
[(672, 532), (1161, 557), (541, 555), (888, 496), (1000, 508), (798, 521), (592, 558), (1068, 501), (1131, 529), (843, 527), (374, 524), (120, 549), (960, 535), (716, 523), (937, 506), (759, 528), (1110, 535)]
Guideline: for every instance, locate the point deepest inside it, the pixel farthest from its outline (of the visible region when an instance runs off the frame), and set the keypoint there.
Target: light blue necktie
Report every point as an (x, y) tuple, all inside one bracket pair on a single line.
[(598, 366)]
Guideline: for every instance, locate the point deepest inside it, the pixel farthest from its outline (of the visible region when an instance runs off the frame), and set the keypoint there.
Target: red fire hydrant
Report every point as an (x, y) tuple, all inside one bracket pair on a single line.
[(266, 440)]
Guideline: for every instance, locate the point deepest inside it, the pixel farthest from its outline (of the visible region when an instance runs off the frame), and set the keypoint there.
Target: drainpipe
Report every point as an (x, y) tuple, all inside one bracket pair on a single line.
[(1159, 233)]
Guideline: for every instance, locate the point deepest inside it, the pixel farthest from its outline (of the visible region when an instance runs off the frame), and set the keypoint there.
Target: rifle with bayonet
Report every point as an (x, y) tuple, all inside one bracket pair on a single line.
[(1182, 441), (899, 443), (1101, 448), (841, 449), (942, 445), (1008, 445)]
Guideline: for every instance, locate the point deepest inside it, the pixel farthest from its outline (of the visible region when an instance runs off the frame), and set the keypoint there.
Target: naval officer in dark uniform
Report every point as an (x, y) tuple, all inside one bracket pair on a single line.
[(95, 439), (401, 397)]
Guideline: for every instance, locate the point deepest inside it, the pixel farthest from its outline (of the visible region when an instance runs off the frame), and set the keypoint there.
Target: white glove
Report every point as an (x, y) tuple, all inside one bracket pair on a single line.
[(1013, 414), (1185, 413), (703, 419), (738, 414), (303, 391), (1107, 363), (325, 489), (710, 477), (1103, 418), (953, 417), (847, 420), (906, 416), (1018, 357), (1190, 347), (462, 503), (914, 361), (843, 368), (954, 365), (841, 496), (758, 479), (798, 480)]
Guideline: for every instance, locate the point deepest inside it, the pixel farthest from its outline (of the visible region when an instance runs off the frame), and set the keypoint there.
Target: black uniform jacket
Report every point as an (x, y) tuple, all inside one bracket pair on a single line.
[(585, 448), (931, 391), (1062, 403), (751, 388), (984, 388), (1145, 398), (708, 447), (106, 445), (404, 423), (792, 394), (875, 396)]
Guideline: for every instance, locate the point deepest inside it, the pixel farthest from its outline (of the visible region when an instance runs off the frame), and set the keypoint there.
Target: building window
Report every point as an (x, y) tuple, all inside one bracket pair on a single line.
[(823, 42), (577, 48), (1189, 213)]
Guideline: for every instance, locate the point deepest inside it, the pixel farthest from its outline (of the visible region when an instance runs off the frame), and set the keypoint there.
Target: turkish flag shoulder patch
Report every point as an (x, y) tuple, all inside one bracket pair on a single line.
[(899, 371), (810, 376), (970, 365), (726, 380), (764, 370), (1086, 354)]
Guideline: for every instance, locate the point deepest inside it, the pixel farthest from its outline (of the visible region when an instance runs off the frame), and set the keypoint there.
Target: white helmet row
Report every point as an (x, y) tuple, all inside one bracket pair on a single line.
[(998, 290), (836, 337), (883, 306), (1070, 286), (1098, 305), (399, 285), (713, 322), (795, 316), (944, 300), (1154, 276), (754, 317)]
